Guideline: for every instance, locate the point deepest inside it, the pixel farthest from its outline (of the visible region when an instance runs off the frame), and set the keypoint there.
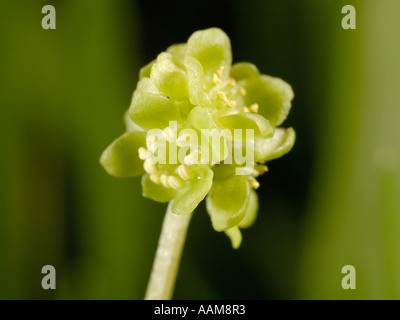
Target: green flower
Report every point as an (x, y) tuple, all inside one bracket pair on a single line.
[(199, 127)]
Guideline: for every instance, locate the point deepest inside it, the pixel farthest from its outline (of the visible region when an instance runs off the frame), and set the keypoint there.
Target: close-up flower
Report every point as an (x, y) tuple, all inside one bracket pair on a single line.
[(199, 127)]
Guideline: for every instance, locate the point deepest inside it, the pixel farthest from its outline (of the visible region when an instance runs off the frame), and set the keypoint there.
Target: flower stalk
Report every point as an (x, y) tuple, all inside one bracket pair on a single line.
[(168, 255)]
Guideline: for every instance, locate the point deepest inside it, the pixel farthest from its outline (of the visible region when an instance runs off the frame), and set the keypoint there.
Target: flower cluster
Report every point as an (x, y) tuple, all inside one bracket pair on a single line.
[(188, 89)]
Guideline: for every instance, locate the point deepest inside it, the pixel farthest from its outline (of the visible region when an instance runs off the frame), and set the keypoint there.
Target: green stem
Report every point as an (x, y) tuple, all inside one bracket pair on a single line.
[(168, 256)]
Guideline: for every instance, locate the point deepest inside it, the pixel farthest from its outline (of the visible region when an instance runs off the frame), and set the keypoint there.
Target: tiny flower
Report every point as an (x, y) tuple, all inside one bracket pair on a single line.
[(192, 93)]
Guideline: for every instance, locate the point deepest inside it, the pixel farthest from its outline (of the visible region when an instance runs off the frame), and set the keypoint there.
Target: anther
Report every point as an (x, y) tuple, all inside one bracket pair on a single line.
[(149, 166), (254, 107), (216, 79), (143, 153), (219, 71), (164, 181), (155, 178), (243, 91), (169, 134), (175, 182), (151, 143), (183, 140), (191, 158), (232, 81), (245, 109), (184, 172), (254, 184)]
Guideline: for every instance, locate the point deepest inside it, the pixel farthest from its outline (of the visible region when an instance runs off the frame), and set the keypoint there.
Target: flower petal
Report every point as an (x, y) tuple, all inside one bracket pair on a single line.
[(251, 212), (121, 158), (188, 198), (243, 70), (156, 192), (246, 120), (212, 48), (273, 95), (200, 118), (150, 110), (227, 202), (168, 77), (271, 148), (196, 82), (235, 235), (178, 51), (145, 70)]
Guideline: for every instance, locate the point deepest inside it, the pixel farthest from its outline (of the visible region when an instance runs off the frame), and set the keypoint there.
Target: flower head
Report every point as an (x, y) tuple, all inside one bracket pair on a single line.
[(199, 127)]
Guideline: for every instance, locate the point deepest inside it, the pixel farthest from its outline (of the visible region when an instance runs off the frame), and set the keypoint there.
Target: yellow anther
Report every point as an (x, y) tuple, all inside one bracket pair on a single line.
[(222, 95), (151, 143), (245, 109), (231, 103), (255, 173), (183, 140), (175, 182), (254, 107), (232, 81), (191, 158), (164, 181), (216, 79), (243, 91), (149, 166), (219, 71), (262, 169), (254, 184), (155, 178), (143, 153), (184, 172), (169, 134)]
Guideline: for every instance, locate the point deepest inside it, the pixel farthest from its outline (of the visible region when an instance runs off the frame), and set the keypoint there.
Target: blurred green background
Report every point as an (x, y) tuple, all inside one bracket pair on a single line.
[(332, 201)]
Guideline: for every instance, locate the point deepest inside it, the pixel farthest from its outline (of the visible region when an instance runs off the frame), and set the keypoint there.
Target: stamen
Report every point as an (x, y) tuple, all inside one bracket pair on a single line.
[(243, 91), (254, 184), (149, 166), (216, 79), (183, 140), (222, 95), (164, 181), (169, 134), (155, 178), (143, 153), (245, 109), (219, 71), (191, 158), (254, 107), (231, 103), (262, 169), (184, 172), (151, 143), (175, 182), (232, 81)]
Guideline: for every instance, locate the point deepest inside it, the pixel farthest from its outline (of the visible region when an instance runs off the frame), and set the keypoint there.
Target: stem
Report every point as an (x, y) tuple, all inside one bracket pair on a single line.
[(168, 256)]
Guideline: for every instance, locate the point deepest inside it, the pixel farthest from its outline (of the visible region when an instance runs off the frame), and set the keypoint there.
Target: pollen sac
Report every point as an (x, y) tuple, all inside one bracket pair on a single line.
[(202, 128)]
